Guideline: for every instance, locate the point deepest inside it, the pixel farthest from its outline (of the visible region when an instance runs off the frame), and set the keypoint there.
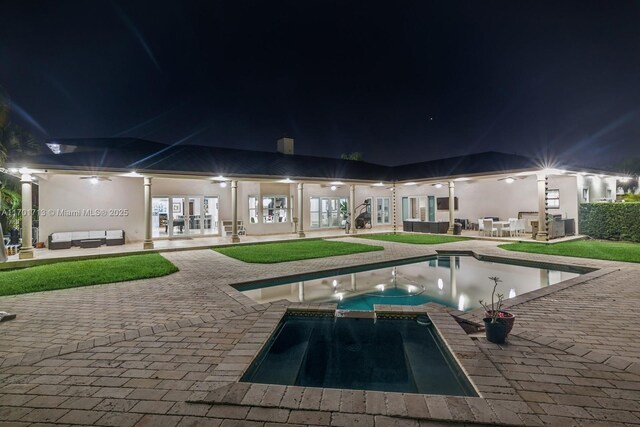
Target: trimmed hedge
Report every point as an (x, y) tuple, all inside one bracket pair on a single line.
[(610, 221)]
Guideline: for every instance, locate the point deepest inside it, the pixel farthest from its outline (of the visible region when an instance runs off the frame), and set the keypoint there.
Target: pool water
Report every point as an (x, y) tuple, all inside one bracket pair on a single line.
[(399, 355), (454, 281)]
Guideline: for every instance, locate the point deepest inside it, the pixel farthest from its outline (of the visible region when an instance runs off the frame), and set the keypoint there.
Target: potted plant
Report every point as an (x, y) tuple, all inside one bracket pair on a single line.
[(498, 323)]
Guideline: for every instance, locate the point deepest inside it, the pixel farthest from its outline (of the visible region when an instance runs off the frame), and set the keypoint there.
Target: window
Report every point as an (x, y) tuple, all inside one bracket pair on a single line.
[(274, 209), (253, 209), (609, 194), (553, 199)]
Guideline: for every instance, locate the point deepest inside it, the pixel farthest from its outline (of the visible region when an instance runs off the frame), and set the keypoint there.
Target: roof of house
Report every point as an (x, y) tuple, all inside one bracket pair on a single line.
[(126, 154)]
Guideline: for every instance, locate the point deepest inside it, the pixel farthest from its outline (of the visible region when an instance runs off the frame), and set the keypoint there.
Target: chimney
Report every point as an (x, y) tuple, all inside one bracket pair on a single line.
[(285, 145)]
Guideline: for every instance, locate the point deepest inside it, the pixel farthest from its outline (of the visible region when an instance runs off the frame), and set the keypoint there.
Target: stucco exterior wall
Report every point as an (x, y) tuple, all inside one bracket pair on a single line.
[(70, 193), (477, 198)]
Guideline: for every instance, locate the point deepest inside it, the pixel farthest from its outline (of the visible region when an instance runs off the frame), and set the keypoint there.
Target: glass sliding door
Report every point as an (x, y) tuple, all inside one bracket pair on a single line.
[(210, 215), (178, 224), (414, 208), (327, 212), (383, 211), (160, 216), (188, 215), (405, 208), (194, 215), (314, 212)]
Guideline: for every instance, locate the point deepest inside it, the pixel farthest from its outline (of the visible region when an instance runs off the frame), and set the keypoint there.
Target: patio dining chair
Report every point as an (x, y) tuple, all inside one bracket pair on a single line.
[(488, 227), (480, 226), (513, 227)]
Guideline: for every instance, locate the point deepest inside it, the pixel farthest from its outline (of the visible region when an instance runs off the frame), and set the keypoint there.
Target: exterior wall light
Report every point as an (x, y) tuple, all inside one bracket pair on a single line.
[(509, 180), (223, 184), (334, 188), (438, 185)]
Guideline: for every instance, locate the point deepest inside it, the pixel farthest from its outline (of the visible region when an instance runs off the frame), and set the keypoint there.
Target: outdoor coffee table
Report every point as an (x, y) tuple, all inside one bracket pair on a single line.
[(91, 243)]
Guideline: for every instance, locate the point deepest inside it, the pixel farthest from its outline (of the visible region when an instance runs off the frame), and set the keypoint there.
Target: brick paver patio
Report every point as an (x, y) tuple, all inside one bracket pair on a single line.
[(136, 352)]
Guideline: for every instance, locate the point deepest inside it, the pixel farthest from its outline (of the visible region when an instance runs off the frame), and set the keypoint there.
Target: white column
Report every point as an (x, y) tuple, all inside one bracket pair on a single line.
[(301, 210), (542, 235), (353, 282), (234, 212), (452, 206), (301, 291), (352, 208), (148, 240), (26, 251)]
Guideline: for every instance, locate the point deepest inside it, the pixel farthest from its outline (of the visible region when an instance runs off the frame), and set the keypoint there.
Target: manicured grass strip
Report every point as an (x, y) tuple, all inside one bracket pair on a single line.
[(296, 250), (71, 274), (595, 249), (415, 239)]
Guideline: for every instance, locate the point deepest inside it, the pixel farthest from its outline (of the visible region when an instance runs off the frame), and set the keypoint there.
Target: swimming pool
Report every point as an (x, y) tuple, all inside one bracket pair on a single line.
[(397, 355), (455, 281)]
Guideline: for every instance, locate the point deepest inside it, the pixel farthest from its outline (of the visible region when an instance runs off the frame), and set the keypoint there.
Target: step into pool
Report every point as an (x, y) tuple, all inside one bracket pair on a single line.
[(454, 281), (396, 355)]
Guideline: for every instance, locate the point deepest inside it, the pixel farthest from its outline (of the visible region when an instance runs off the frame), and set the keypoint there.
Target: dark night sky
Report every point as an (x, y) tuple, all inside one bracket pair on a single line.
[(513, 76)]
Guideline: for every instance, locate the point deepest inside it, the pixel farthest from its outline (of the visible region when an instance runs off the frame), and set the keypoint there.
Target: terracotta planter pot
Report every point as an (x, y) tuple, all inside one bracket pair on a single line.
[(505, 317)]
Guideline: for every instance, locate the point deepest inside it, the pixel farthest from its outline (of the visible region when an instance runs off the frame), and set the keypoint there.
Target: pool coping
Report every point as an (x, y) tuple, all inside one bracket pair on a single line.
[(278, 280), (483, 375)]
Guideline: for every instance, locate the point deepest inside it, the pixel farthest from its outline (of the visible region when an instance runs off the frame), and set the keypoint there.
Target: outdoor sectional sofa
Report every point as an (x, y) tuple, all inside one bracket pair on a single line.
[(86, 239)]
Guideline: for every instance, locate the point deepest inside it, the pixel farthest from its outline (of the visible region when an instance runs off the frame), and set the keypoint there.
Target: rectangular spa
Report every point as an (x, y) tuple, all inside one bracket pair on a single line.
[(455, 281), (396, 355)]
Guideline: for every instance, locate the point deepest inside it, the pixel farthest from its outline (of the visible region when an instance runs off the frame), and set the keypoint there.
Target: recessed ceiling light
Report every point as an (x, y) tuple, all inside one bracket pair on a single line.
[(223, 184), (410, 183), (336, 183), (509, 180), (378, 184), (438, 185), (286, 181)]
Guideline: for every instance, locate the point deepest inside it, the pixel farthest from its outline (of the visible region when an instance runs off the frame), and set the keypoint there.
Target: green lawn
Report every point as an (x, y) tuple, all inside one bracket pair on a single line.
[(269, 253), (596, 249), (415, 239), (71, 274)]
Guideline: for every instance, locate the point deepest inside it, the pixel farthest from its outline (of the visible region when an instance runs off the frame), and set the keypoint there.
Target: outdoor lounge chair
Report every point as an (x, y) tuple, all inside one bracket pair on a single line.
[(115, 237), (59, 241)]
